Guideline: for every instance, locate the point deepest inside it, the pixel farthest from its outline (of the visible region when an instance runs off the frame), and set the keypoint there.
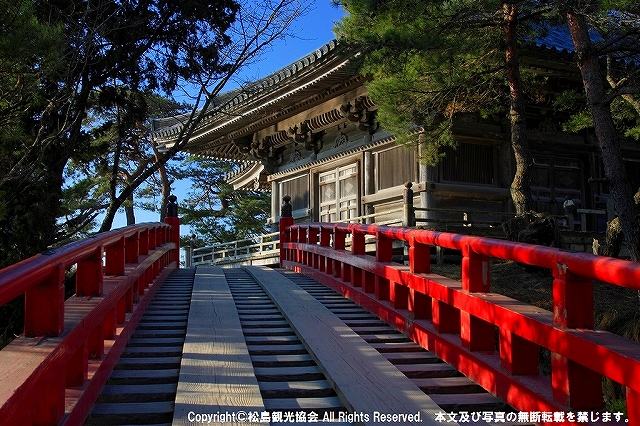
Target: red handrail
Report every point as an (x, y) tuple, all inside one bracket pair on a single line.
[(458, 320), (53, 373)]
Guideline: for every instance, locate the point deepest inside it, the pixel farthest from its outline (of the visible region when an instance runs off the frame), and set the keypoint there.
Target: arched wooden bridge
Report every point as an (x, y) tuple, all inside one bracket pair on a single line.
[(333, 334)]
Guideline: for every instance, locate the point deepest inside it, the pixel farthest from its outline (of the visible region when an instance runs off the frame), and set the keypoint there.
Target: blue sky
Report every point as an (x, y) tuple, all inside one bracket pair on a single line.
[(311, 32)]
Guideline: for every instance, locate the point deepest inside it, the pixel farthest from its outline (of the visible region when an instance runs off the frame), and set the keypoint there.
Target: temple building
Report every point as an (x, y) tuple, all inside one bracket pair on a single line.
[(310, 131)]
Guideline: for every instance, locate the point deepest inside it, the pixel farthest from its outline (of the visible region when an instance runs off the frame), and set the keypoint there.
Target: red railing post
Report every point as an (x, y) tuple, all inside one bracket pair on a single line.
[(173, 220), (286, 220), (143, 241), (109, 325), (44, 306), (301, 255), (48, 407), (115, 258), (326, 265), (339, 244), (419, 304), (153, 238), (312, 259), (132, 248), (357, 248), (89, 277), (78, 366), (518, 356), (476, 334), (633, 400), (96, 342), (384, 253), (573, 384)]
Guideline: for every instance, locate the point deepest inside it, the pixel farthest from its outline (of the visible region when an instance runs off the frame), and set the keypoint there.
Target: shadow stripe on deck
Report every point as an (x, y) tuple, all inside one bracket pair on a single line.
[(366, 381), (142, 387), (218, 376)]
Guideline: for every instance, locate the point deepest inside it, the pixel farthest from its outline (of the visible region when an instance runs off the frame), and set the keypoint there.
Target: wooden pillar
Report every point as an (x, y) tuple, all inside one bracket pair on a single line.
[(286, 220), (428, 175), (408, 218), (78, 366), (48, 407), (173, 220), (368, 181)]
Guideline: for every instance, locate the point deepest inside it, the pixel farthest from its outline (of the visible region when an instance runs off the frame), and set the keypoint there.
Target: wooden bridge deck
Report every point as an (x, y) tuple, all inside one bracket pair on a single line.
[(216, 345)]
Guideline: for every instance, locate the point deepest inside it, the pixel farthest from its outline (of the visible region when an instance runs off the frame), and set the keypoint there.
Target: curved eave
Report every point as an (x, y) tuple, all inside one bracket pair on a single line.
[(260, 105), (250, 176)]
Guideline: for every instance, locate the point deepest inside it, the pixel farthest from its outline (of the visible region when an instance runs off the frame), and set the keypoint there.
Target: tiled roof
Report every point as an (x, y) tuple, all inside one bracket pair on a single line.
[(224, 104)]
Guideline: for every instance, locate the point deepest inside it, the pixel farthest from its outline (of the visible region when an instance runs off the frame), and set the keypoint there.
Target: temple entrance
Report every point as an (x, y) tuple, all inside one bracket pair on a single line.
[(339, 193)]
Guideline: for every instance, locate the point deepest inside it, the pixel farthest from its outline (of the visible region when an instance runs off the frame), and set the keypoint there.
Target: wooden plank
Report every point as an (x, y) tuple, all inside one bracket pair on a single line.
[(310, 372), (268, 360), (477, 401), (304, 404), (216, 374), (449, 385), (363, 378), (132, 409), (411, 357), (427, 370), (147, 376), (301, 389)]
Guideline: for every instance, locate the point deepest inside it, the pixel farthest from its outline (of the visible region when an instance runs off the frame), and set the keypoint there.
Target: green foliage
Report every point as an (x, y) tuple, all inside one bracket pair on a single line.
[(429, 61), (214, 210), (29, 49), (63, 61)]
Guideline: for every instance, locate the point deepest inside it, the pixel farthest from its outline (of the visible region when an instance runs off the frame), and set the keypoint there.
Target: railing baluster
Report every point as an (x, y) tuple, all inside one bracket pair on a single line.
[(518, 356), (89, 276), (96, 342), (78, 366), (326, 263), (312, 259), (419, 304), (143, 241), (384, 253), (115, 258), (132, 248), (357, 248), (476, 334), (573, 385), (48, 407), (339, 244), (44, 306)]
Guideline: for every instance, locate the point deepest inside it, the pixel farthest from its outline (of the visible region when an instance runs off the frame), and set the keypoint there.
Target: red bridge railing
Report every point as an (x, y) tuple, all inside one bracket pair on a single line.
[(459, 320), (53, 374)]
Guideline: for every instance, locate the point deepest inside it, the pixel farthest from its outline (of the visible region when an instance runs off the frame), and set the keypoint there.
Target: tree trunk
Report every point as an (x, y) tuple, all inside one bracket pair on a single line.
[(606, 132), (521, 184), (130, 212), (164, 181)]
